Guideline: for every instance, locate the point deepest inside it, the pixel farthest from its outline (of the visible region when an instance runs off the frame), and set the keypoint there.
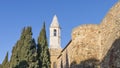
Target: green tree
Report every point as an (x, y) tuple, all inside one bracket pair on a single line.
[(5, 62), (24, 52), (0, 65), (42, 49)]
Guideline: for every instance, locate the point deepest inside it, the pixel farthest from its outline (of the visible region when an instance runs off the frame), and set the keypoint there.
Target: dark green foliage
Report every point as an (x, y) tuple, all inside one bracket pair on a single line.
[(42, 49), (0, 65), (5, 62), (6, 59), (24, 50), (22, 64), (25, 54)]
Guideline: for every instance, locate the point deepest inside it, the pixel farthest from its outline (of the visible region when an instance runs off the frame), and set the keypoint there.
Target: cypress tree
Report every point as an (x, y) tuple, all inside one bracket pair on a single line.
[(24, 52), (5, 63), (0, 65), (42, 49)]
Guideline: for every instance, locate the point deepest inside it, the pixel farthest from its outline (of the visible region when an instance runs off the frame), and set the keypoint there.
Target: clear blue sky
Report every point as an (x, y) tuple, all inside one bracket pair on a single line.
[(16, 14)]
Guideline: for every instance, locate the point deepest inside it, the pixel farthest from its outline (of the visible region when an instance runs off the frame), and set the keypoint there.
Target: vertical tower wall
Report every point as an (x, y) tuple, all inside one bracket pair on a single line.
[(55, 42)]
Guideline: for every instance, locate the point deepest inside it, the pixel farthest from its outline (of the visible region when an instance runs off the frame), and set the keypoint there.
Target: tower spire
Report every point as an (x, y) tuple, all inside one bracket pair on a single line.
[(55, 22)]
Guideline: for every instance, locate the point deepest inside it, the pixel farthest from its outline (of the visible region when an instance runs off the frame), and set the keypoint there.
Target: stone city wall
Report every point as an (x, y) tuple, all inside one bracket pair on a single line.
[(94, 45)]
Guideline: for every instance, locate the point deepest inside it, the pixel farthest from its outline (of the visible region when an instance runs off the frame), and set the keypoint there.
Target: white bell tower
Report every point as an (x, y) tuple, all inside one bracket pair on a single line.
[(55, 38)]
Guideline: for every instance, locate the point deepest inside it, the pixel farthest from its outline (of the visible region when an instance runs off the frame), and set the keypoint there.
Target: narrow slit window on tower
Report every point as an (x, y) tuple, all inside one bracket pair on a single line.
[(55, 32), (54, 65)]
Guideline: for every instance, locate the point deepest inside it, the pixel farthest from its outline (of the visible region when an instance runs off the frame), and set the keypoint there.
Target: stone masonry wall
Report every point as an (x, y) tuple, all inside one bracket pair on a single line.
[(85, 45), (54, 53), (110, 28), (95, 45)]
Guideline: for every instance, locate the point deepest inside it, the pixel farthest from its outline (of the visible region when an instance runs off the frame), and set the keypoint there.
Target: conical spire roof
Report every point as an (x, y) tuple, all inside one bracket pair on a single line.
[(55, 22)]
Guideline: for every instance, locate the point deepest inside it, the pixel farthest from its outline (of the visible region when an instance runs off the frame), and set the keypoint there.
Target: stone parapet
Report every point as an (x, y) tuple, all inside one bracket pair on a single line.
[(84, 29)]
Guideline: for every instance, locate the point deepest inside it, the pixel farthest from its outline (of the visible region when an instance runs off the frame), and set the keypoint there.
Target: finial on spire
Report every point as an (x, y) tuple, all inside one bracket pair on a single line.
[(55, 16)]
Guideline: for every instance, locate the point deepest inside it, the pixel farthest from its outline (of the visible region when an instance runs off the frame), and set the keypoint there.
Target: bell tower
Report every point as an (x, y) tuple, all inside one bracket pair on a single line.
[(55, 38), (55, 41)]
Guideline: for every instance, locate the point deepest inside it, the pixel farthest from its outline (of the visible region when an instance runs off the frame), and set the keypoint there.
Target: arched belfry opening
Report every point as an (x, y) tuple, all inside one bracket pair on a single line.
[(55, 32)]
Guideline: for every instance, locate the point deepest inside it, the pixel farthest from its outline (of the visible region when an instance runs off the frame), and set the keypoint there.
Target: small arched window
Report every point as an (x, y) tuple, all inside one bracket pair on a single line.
[(55, 32)]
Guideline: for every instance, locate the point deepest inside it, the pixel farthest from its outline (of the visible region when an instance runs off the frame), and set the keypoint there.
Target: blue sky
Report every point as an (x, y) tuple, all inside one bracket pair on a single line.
[(16, 14)]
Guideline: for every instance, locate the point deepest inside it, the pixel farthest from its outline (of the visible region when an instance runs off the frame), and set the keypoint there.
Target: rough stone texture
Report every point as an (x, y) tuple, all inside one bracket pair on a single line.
[(94, 46), (85, 41), (85, 45), (110, 32), (54, 53)]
